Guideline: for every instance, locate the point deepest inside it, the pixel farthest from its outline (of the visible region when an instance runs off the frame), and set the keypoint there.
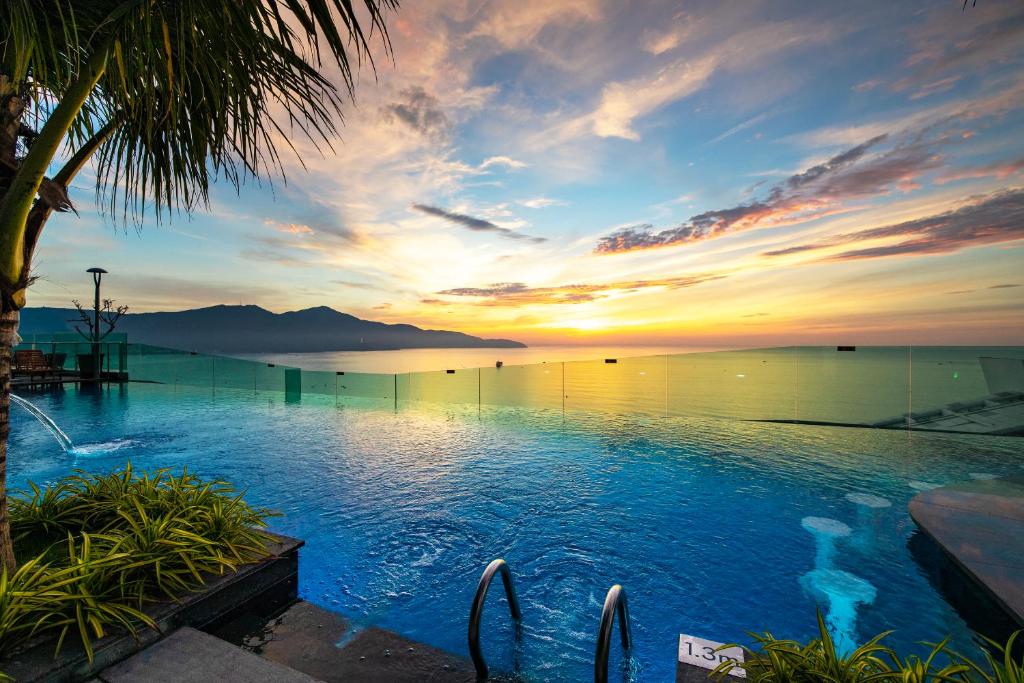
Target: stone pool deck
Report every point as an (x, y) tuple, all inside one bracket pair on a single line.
[(304, 644), (980, 526)]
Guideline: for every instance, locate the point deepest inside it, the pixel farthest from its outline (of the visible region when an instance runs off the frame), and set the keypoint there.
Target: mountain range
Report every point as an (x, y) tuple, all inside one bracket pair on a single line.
[(251, 329)]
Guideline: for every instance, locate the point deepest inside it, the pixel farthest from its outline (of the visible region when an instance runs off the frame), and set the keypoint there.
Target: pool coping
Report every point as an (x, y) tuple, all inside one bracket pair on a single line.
[(221, 597), (979, 525)]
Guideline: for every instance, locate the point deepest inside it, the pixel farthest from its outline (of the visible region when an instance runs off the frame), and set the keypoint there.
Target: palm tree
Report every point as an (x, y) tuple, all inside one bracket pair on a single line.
[(165, 96)]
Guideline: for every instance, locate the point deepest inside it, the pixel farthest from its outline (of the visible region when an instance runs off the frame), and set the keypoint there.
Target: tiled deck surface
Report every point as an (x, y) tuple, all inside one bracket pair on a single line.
[(980, 524), (325, 646), (305, 644), (191, 656)]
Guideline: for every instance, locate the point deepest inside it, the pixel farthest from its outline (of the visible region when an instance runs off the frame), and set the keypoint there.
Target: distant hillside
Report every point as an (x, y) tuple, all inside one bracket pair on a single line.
[(251, 329)]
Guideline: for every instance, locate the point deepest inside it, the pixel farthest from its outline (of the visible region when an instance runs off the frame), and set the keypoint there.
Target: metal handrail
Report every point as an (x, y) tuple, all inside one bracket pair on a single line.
[(477, 611), (614, 602)]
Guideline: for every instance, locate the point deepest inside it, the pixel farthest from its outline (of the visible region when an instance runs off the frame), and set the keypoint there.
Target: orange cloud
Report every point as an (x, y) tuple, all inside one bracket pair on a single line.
[(999, 169), (993, 219), (520, 294)]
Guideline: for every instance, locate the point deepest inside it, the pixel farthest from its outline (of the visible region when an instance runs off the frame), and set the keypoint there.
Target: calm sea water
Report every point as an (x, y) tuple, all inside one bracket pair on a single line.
[(714, 527), (425, 360)]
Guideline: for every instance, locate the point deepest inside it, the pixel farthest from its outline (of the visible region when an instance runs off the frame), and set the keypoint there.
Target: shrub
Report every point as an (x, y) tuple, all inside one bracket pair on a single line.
[(94, 549), (789, 661)]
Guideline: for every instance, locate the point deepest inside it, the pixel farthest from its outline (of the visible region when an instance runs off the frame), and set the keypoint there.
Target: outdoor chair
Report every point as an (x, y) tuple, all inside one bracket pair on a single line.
[(56, 361), (31, 362)]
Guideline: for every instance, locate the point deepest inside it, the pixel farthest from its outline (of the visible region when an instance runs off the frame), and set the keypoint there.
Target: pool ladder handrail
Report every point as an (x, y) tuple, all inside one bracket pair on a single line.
[(477, 611), (614, 602)]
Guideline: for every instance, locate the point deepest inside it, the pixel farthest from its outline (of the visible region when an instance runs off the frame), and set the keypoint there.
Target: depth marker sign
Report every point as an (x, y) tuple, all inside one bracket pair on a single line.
[(705, 654)]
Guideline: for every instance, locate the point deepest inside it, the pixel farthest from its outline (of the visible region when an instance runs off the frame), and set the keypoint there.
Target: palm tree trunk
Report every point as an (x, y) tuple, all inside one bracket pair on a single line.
[(8, 326)]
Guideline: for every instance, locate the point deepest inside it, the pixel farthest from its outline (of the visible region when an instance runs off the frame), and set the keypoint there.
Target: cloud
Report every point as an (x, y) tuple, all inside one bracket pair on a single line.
[(623, 102), (867, 85), (992, 219), (1010, 285), (476, 224), (289, 228), (421, 111), (657, 42), (819, 191), (359, 285), (937, 86), (270, 256), (951, 116), (738, 128), (541, 202), (507, 162), (945, 48), (517, 24), (520, 294), (999, 169)]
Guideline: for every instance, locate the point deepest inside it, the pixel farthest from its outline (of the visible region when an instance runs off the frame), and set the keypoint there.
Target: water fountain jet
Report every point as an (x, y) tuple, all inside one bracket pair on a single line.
[(63, 439)]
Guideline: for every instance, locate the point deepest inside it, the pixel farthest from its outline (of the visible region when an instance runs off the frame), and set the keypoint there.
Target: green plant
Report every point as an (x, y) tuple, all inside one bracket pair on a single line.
[(786, 661), (913, 669), (39, 598), (789, 661), (41, 518), (103, 545), (1000, 669)]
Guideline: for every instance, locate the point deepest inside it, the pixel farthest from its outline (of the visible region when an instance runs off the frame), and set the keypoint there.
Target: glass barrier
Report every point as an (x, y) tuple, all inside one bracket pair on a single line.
[(70, 357), (973, 389), (444, 386), (852, 387), (616, 385), (539, 385)]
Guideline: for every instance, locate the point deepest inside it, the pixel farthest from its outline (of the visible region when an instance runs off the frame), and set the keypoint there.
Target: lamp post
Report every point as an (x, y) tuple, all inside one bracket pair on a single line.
[(97, 276)]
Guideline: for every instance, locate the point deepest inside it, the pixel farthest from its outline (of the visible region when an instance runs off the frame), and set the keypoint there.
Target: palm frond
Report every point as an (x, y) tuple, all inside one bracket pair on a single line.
[(199, 90)]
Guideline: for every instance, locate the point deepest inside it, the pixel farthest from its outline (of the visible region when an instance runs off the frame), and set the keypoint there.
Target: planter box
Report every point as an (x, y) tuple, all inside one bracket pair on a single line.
[(224, 596)]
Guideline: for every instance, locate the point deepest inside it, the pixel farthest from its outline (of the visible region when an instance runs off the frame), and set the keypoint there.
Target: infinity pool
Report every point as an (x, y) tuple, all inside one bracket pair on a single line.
[(714, 528)]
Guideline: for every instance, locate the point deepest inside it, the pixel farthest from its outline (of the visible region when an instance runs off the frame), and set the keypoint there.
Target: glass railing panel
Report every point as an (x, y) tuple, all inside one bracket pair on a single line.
[(853, 385), (320, 382), (270, 377), (617, 385), (445, 386), (759, 384), (170, 366), (366, 385), (64, 355), (530, 386), (233, 373), (970, 389)]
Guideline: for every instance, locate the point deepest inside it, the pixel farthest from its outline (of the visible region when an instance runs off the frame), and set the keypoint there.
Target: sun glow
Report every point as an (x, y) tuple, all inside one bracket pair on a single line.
[(587, 324)]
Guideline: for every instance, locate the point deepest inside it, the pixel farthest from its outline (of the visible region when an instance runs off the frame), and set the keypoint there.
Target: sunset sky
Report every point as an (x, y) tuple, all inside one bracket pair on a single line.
[(743, 173)]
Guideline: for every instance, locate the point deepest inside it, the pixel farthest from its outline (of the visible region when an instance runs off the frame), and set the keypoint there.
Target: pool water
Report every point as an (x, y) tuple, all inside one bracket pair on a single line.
[(715, 528)]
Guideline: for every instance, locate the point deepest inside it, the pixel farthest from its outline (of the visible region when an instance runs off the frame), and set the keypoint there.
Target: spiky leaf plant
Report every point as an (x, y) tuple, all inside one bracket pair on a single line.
[(789, 661), (913, 669), (1000, 665), (111, 543)]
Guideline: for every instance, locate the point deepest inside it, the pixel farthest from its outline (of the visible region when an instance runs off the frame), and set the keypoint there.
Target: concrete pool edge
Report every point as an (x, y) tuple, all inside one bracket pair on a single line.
[(222, 596), (979, 525)]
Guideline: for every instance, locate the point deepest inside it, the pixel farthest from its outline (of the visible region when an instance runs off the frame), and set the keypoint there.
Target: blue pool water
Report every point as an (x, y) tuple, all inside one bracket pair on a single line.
[(714, 528)]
